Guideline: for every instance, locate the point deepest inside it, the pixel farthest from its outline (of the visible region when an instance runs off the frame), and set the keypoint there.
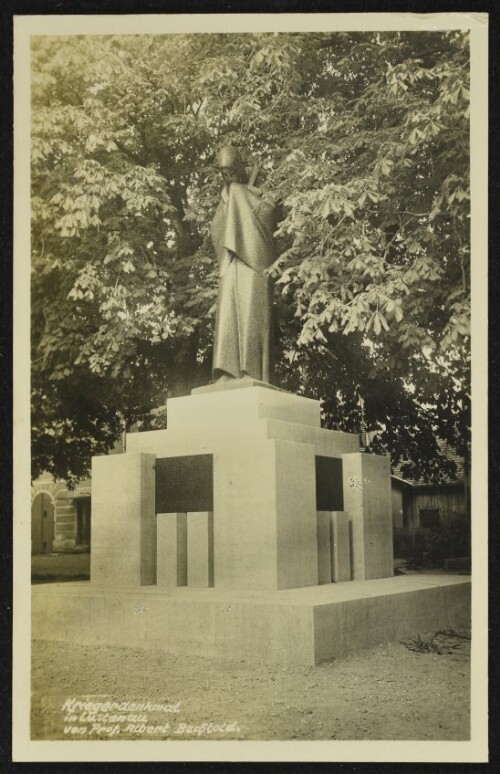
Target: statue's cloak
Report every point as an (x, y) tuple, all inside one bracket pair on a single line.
[(242, 234)]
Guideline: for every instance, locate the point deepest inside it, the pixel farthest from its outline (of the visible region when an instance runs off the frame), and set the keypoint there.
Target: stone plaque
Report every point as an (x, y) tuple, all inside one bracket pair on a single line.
[(329, 489), (184, 484)]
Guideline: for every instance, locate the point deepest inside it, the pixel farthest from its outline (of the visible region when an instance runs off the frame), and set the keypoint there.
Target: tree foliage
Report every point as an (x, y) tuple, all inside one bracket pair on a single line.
[(363, 138)]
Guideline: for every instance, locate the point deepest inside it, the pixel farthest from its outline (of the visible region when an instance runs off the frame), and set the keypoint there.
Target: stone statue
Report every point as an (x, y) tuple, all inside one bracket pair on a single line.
[(242, 234)]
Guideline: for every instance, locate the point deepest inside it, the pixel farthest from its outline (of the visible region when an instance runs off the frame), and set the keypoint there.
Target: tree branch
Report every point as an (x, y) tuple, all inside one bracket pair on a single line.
[(130, 154)]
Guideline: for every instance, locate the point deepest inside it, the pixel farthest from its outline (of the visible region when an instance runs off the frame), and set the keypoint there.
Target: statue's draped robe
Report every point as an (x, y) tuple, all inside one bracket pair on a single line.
[(242, 234)]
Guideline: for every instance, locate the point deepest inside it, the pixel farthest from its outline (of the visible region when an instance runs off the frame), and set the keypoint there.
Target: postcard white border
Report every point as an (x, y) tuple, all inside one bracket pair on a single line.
[(24, 749)]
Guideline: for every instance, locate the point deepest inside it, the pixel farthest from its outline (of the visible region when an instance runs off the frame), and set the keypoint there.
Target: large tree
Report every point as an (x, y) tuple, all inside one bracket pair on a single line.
[(363, 138)]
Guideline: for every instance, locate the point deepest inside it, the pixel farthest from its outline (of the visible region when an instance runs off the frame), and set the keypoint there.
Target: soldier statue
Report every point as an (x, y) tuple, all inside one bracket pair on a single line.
[(242, 235)]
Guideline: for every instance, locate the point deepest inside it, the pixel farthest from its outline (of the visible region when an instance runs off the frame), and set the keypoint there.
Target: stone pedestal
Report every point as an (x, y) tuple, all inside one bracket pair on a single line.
[(250, 466), (341, 546), (200, 550), (123, 534), (324, 548), (265, 515), (367, 499), (293, 627), (334, 547), (171, 553)]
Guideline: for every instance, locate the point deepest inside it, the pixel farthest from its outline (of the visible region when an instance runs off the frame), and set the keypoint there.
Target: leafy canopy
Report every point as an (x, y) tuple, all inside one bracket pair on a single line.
[(363, 139)]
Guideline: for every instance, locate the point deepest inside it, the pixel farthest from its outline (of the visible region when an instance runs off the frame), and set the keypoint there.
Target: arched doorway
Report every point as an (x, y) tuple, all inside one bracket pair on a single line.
[(42, 524)]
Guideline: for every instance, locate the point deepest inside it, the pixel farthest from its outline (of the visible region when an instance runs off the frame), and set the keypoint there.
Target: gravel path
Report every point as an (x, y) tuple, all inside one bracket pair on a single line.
[(388, 692)]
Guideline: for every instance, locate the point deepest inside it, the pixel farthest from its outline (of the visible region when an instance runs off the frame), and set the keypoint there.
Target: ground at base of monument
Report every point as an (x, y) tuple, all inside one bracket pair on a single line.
[(303, 626), (390, 692)]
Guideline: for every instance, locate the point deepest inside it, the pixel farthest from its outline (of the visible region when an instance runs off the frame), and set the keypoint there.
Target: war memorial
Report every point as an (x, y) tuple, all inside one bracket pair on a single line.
[(245, 529)]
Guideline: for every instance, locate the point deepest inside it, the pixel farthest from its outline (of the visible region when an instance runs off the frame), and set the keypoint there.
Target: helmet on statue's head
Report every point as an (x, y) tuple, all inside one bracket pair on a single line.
[(228, 156)]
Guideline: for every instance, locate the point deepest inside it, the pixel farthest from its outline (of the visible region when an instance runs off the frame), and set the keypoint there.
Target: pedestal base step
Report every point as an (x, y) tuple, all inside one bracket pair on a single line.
[(296, 626)]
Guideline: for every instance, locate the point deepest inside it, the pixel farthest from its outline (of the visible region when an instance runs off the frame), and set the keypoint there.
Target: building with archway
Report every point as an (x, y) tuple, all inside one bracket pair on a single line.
[(60, 518)]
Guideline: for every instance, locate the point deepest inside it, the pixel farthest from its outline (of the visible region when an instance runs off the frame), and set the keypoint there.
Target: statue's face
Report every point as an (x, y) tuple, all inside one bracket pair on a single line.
[(230, 175)]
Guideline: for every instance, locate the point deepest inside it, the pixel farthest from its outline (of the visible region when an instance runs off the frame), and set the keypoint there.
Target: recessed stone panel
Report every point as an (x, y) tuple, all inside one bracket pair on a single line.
[(329, 484), (184, 484)]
